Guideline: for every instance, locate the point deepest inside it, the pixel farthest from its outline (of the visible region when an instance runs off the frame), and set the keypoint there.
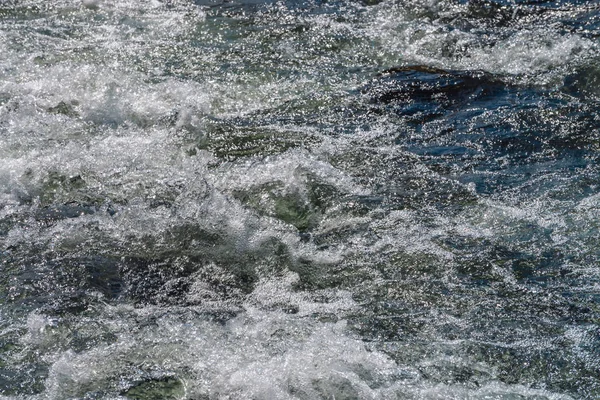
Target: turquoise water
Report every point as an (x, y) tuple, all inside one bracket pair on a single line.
[(299, 200)]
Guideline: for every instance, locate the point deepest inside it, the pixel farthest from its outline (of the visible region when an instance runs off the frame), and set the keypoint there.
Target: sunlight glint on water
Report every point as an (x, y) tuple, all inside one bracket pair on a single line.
[(299, 200)]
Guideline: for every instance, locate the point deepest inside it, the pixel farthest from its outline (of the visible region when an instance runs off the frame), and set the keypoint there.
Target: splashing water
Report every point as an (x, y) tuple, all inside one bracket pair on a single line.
[(299, 200)]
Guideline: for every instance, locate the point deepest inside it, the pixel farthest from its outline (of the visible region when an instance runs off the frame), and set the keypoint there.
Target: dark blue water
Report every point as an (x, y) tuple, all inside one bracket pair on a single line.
[(299, 200)]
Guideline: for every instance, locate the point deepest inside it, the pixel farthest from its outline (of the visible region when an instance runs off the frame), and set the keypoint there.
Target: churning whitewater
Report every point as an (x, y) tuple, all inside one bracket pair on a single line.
[(322, 199)]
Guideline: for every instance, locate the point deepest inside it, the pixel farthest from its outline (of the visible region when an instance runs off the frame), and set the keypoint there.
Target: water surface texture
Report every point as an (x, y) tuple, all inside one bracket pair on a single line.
[(299, 199)]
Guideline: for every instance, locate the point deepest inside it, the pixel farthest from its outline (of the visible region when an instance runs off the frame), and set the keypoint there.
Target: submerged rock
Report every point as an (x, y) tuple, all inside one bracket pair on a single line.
[(64, 108), (64, 211), (62, 285), (584, 82), (167, 388), (420, 83), (301, 205), (235, 141), (91, 4)]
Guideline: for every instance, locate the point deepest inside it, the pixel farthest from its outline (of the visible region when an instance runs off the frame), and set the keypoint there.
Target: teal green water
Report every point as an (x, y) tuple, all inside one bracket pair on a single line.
[(299, 200)]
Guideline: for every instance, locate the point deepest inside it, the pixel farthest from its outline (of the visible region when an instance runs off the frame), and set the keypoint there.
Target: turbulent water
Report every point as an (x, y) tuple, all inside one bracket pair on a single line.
[(325, 199)]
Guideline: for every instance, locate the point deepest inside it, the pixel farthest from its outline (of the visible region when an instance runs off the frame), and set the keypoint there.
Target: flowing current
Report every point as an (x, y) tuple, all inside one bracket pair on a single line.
[(324, 199)]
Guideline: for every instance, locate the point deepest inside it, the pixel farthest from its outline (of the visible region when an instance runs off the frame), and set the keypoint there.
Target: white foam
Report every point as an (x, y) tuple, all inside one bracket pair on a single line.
[(536, 48), (258, 354), (123, 127)]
